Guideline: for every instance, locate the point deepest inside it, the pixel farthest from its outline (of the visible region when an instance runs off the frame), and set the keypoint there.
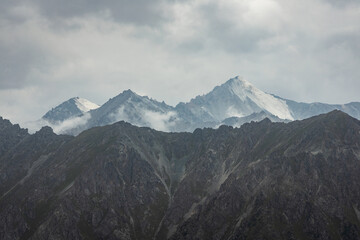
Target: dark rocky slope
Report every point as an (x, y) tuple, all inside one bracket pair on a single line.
[(265, 180)]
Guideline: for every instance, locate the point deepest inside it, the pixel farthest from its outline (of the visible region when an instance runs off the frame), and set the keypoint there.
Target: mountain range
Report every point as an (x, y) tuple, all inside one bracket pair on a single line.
[(264, 180), (233, 103)]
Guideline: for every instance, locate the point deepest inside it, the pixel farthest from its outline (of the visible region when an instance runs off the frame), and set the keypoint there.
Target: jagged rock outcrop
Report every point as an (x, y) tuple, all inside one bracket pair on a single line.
[(299, 180)]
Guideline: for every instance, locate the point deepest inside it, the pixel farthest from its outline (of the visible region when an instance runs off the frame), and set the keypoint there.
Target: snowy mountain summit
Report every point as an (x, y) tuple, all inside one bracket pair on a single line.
[(236, 98), (69, 109), (85, 105), (131, 107), (250, 95)]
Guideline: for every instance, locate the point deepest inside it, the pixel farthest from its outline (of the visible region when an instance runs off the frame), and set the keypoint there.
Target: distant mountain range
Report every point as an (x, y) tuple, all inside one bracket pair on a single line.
[(299, 180), (233, 103)]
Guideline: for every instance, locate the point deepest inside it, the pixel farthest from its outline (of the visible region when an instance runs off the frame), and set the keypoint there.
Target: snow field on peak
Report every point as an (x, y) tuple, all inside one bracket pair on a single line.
[(243, 89), (85, 105)]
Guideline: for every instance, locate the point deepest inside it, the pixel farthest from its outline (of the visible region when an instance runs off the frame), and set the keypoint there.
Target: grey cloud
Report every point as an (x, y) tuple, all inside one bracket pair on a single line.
[(233, 39), (5, 12), (350, 41), (342, 3), (136, 11), (221, 33), (16, 63), (244, 41)]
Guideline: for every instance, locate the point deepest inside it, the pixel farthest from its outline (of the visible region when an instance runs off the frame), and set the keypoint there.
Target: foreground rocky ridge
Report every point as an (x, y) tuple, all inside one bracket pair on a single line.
[(299, 180)]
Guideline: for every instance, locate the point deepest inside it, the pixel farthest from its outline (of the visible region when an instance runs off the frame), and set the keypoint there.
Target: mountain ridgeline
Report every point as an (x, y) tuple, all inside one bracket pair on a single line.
[(233, 103), (296, 180)]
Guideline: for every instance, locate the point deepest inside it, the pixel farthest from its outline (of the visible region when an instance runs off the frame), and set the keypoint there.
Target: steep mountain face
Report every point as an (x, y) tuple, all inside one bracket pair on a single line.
[(138, 110), (24, 156), (265, 180), (71, 108), (235, 98)]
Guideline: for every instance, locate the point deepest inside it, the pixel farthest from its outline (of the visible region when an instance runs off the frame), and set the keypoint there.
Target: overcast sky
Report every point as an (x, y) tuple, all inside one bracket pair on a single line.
[(50, 51)]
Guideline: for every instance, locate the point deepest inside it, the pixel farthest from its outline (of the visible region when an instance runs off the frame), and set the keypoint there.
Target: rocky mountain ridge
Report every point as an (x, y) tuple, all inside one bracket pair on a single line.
[(297, 180)]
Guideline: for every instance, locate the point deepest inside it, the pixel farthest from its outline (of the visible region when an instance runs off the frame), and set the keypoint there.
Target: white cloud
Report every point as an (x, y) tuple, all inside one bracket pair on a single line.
[(71, 123), (58, 128), (160, 121)]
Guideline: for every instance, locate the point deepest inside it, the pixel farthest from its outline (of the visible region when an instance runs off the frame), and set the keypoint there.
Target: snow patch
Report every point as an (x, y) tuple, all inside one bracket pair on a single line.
[(85, 105), (316, 152)]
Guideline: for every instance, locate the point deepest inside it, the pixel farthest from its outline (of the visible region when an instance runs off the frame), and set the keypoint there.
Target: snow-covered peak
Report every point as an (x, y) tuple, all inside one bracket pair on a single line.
[(85, 105), (236, 97), (69, 109), (244, 89), (138, 110), (239, 87), (239, 81), (124, 96)]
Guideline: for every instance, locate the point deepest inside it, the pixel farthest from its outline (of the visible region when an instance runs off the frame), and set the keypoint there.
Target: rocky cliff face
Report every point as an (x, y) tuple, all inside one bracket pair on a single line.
[(299, 180)]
